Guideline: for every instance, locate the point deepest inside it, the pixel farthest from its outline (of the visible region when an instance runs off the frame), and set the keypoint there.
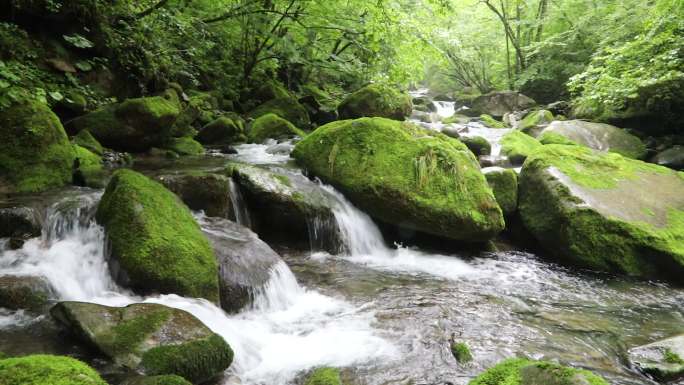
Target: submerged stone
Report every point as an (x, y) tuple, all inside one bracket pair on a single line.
[(376, 100), (47, 370), (599, 136), (405, 176), (519, 371), (604, 211), (662, 360), (150, 338)]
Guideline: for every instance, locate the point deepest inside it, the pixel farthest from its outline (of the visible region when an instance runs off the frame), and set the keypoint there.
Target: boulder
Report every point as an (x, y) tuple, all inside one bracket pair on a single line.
[(456, 119), (535, 119), (603, 211), (86, 140), (673, 157), (168, 379), (498, 103), (134, 125), (185, 146), (324, 376), (661, 360), (19, 224), (88, 169), (25, 292), (521, 371), (477, 144), (269, 90), (490, 122), (599, 136), (156, 245), (274, 127), (149, 338), (223, 130), (517, 146), (35, 153), (204, 191), (405, 176), (287, 108), (504, 184), (245, 261), (376, 100), (41, 369)]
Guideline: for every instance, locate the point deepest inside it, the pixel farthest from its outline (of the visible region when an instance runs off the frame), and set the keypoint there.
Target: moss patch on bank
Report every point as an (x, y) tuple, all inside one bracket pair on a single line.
[(47, 370)]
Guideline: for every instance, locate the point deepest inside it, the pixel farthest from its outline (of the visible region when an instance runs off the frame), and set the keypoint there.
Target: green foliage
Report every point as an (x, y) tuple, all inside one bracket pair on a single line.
[(47, 370)]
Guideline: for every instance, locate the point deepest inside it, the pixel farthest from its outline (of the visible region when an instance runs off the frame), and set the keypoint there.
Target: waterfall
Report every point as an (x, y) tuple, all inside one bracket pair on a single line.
[(445, 109), (239, 207)]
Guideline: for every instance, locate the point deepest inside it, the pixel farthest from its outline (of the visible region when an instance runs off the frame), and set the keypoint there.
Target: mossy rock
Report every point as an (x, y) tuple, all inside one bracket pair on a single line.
[(149, 338), (461, 352), (134, 125), (477, 144), (25, 292), (287, 108), (599, 136), (457, 119), (204, 191), (534, 119), (169, 379), (554, 138), (519, 371), (490, 122), (35, 153), (601, 210), (274, 127), (155, 242), (405, 176), (89, 170), (47, 370), (185, 146), (499, 103), (376, 100), (517, 146), (86, 140), (269, 90), (324, 376), (504, 183), (223, 130), (662, 360)]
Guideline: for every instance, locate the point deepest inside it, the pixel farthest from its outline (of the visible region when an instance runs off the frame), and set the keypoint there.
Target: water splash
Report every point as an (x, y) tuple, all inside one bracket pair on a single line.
[(240, 210)]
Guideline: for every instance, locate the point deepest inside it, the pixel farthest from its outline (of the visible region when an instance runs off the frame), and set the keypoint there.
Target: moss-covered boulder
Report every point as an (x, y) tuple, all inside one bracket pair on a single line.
[(324, 376), (134, 125), (223, 130), (604, 211), (169, 379), (185, 146), (150, 338), (499, 103), (456, 119), (86, 140), (269, 90), (25, 292), (599, 136), (554, 138), (156, 245), (35, 153), (519, 371), (274, 127), (504, 183), (287, 108), (47, 370), (405, 176), (662, 360), (89, 169), (204, 191), (477, 144), (376, 100), (535, 119), (517, 146), (490, 122)]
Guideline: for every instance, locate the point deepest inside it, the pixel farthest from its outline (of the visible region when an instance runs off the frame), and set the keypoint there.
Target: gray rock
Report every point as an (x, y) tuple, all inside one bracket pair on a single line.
[(25, 292), (201, 191), (499, 103), (599, 136), (673, 158), (662, 360), (19, 224)]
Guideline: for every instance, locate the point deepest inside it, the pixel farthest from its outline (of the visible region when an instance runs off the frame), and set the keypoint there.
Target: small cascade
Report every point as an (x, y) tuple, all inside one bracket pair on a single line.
[(239, 207), (445, 109)]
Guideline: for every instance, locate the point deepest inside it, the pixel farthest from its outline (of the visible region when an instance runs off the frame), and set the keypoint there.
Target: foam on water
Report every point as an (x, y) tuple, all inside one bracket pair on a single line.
[(269, 152)]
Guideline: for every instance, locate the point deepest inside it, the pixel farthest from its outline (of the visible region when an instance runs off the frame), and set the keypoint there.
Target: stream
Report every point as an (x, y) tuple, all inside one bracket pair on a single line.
[(383, 313)]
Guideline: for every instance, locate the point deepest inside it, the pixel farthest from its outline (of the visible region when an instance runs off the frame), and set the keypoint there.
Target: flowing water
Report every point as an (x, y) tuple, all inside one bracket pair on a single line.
[(384, 313)]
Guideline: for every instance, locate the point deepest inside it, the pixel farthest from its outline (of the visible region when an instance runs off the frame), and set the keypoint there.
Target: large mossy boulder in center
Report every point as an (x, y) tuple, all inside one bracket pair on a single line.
[(405, 176), (42, 369), (499, 103), (149, 338), (662, 360), (223, 130), (134, 125), (376, 100), (604, 211), (599, 136), (35, 153), (274, 127), (287, 108), (156, 245), (520, 371)]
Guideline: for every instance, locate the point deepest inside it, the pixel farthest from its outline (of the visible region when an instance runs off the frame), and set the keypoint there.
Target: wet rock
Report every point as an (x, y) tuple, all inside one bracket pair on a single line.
[(47, 369), (201, 191), (504, 184), (560, 108), (19, 224), (170, 379), (535, 121), (221, 131), (405, 176), (271, 126), (453, 131), (673, 158), (662, 360), (517, 146), (156, 245), (477, 144), (150, 338), (25, 292), (185, 146), (599, 136), (521, 371), (245, 261), (134, 125), (376, 100), (490, 122), (457, 119), (287, 108), (498, 103), (600, 210), (113, 159)]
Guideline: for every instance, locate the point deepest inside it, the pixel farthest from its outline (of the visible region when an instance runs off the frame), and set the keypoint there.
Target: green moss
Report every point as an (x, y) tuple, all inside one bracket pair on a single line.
[(35, 153), (555, 138), (324, 376), (47, 370), (376, 100), (520, 371), (535, 118), (504, 183), (86, 140), (504, 373), (672, 358), (477, 144), (155, 238), (272, 126), (86, 158), (223, 130), (185, 146), (456, 118), (402, 174), (192, 360), (461, 352), (490, 122), (283, 179), (518, 146), (287, 108), (129, 334), (170, 379)]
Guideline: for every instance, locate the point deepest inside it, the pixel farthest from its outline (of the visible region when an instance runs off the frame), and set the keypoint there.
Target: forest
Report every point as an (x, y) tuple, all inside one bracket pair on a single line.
[(341, 192)]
